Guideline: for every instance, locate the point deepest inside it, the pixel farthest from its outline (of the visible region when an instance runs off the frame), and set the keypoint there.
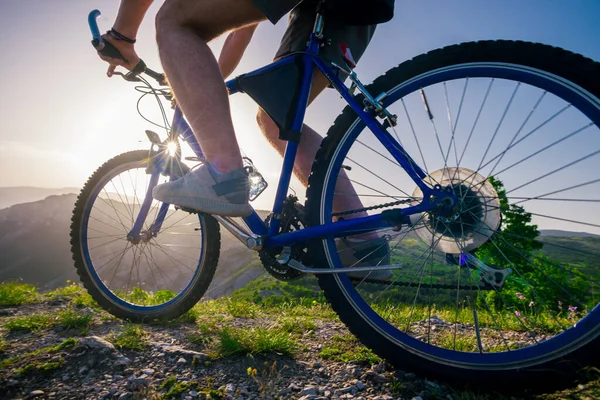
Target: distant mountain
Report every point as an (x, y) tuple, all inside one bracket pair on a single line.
[(24, 194), (557, 232), (35, 248)]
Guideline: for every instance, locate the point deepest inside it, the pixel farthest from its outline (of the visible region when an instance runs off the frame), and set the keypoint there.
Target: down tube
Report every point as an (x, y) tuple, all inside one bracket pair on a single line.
[(396, 150)]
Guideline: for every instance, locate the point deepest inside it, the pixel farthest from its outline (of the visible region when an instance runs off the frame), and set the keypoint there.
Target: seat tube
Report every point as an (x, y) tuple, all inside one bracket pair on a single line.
[(291, 148)]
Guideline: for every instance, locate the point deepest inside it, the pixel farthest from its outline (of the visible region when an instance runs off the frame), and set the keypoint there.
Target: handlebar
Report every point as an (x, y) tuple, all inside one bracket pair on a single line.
[(108, 50)]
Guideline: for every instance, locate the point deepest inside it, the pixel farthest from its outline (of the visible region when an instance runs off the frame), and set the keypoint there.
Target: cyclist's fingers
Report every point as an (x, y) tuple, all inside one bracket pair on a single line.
[(110, 60), (111, 70)]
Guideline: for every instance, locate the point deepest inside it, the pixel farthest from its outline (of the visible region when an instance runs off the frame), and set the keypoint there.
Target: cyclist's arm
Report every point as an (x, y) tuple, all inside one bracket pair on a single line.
[(234, 48), (130, 16)]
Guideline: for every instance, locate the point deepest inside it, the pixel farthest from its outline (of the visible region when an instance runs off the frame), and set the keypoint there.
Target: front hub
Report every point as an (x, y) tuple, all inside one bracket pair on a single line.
[(463, 221)]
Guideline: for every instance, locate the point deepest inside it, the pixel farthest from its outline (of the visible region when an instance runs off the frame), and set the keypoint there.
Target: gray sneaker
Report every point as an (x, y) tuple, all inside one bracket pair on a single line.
[(365, 253), (205, 190)]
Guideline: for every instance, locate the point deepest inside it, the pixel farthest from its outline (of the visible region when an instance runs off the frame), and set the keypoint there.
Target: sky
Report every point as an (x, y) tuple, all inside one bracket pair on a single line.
[(62, 118)]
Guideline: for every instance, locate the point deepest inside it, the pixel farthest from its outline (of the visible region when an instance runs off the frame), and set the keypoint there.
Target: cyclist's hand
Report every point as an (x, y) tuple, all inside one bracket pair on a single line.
[(126, 49)]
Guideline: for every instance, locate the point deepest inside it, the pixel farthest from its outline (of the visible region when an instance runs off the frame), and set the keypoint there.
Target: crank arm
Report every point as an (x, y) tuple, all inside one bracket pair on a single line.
[(303, 268)]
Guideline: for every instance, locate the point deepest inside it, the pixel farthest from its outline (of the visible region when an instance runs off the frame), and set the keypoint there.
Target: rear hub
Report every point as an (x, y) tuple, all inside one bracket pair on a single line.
[(464, 225)]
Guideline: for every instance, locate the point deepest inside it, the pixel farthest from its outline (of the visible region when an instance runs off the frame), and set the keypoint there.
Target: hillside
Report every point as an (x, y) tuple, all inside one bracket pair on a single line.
[(60, 345), (25, 194), (34, 248)]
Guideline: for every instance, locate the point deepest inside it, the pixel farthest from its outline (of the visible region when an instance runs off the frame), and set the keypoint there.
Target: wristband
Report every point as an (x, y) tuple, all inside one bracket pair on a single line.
[(120, 36)]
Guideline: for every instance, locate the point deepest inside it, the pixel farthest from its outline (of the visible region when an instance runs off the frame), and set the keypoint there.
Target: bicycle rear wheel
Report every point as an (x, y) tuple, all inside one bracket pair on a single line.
[(159, 276), (506, 286)]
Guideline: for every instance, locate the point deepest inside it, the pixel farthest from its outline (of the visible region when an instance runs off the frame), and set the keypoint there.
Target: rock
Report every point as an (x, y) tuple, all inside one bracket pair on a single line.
[(308, 390), (137, 383), (449, 397), (230, 388), (6, 312), (317, 365), (432, 385), (181, 361), (309, 397), (148, 371), (178, 351), (359, 385), (122, 361), (417, 398), (193, 393), (345, 390), (293, 386), (379, 378), (36, 393), (97, 343), (83, 370)]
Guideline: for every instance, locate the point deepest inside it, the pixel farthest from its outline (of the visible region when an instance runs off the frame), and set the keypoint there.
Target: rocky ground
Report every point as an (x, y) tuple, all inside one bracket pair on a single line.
[(105, 358)]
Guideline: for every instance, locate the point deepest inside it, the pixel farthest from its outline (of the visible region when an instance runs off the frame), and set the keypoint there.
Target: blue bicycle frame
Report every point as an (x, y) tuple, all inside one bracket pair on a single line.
[(269, 233)]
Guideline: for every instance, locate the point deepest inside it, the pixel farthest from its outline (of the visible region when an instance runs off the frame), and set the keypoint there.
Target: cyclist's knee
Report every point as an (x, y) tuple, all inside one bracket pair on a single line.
[(176, 14)]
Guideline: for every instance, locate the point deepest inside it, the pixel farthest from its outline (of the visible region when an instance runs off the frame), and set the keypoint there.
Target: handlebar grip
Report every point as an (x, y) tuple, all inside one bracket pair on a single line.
[(96, 37), (100, 44), (111, 51)]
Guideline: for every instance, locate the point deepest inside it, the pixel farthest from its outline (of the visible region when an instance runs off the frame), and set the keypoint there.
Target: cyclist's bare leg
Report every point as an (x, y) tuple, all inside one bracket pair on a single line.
[(310, 141), (183, 29)]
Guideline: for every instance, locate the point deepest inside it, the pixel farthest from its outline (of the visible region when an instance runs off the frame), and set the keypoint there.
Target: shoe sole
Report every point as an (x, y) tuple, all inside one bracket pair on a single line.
[(207, 206)]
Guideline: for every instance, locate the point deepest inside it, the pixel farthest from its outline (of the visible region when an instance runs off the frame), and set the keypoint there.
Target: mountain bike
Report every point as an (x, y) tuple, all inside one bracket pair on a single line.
[(475, 168)]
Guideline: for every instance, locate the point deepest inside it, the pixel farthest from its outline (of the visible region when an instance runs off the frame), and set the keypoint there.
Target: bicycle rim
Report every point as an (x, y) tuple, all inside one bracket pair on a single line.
[(153, 273), (520, 147)]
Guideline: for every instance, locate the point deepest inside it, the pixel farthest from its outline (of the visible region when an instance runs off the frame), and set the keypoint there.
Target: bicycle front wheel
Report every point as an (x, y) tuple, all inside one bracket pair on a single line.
[(506, 285), (160, 274)]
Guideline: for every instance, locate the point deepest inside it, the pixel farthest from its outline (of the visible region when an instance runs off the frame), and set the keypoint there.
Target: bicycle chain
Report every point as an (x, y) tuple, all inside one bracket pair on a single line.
[(357, 210)]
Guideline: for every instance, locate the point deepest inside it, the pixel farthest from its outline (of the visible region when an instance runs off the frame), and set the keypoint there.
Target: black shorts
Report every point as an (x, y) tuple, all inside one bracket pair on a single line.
[(300, 25)]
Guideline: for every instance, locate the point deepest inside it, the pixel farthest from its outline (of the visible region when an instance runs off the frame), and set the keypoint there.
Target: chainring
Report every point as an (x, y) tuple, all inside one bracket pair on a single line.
[(293, 218)]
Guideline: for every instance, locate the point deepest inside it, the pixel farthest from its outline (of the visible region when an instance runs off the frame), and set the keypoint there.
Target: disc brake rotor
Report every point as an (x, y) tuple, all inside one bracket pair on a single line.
[(473, 220)]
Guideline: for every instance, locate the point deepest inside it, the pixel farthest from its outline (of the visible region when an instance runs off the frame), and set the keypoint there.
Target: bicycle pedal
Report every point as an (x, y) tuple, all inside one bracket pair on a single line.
[(187, 210)]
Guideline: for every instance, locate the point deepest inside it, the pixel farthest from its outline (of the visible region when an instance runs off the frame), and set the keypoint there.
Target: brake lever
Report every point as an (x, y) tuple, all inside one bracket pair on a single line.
[(128, 77)]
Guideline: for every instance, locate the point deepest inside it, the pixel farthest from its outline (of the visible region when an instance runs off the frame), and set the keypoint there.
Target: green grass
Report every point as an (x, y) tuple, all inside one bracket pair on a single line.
[(71, 290), (15, 294), (234, 341), (8, 362), (39, 366), (71, 319), (68, 319), (296, 325), (132, 337), (29, 323), (77, 294), (347, 349), (37, 360), (240, 309)]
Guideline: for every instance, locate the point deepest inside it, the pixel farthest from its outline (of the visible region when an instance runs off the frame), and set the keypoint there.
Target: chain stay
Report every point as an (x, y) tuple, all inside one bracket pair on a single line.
[(430, 286)]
